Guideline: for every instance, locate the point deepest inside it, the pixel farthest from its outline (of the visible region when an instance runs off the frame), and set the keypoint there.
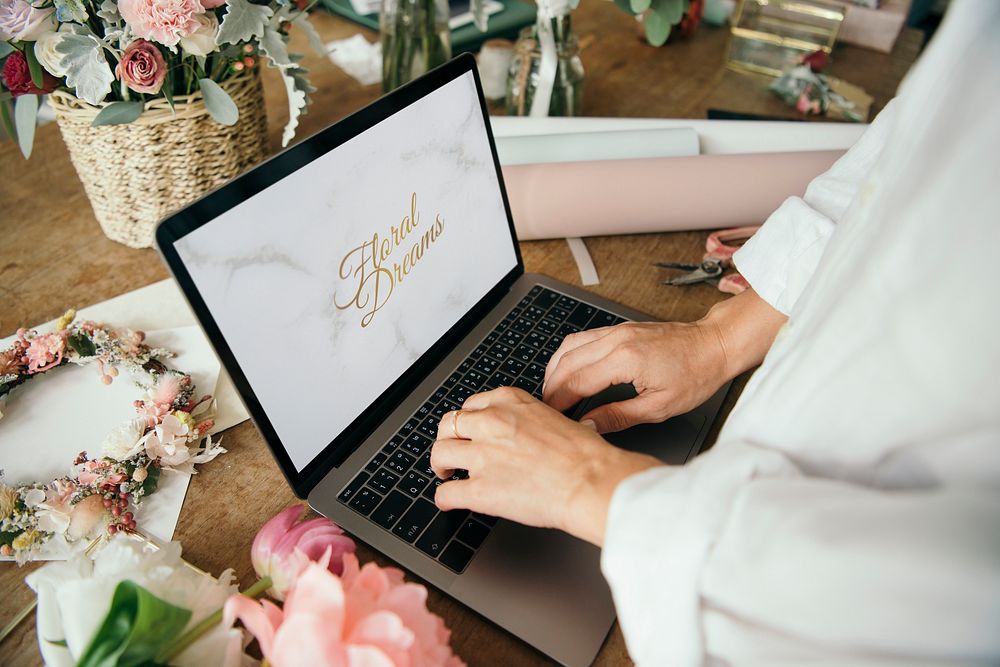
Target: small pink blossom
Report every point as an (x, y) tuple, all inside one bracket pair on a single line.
[(167, 443), (167, 389), (163, 21), (367, 617), (152, 412), (44, 352), (285, 545)]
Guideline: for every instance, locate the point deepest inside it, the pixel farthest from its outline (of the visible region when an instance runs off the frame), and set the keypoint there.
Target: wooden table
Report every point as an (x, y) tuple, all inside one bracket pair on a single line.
[(53, 256)]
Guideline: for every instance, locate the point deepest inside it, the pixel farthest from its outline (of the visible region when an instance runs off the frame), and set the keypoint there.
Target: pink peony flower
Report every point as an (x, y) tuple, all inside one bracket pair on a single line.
[(367, 617), (22, 21), (163, 21), (142, 67), (44, 352), (285, 545)]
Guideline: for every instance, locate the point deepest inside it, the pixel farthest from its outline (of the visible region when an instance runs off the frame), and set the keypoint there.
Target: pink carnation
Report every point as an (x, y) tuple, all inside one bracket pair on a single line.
[(163, 21), (45, 352), (369, 616)]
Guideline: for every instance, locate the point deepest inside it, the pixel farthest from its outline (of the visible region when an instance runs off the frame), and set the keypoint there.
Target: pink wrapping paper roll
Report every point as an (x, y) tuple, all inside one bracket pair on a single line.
[(656, 194)]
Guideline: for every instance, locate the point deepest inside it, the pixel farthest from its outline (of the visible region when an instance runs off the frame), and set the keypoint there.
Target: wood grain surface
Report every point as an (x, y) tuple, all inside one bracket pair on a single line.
[(53, 256)]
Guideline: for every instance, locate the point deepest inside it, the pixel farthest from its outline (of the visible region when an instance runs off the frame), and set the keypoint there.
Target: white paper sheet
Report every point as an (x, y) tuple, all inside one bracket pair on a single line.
[(582, 146), (52, 418)]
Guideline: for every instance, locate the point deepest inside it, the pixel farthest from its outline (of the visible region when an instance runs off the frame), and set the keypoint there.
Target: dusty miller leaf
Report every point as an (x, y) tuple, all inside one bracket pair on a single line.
[(242, 22), (273, 46), (315, 42), (298, 97), (118, 113), (109, 12), (71, 10), (219, 104), (86, 69)]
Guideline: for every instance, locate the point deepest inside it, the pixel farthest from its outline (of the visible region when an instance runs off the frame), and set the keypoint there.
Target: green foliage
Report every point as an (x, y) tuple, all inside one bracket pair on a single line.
[(218, 103), (34, 67), (87, 71), (243, 21), (70, 10), (82, 345), (7, 537), (8, 119), (152, 480), (273, 46), (5, 49), (639, 6), (662, 17), (118, 113), (25, 117), (298, 88), (139, 628), (625, 6)]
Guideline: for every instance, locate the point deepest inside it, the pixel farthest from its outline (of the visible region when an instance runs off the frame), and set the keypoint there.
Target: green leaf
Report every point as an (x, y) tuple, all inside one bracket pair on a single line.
[(152, 480), (87, 71), (242, 22), (25, 116), (118, 113), (639, 6), (657, 29), (672, 11), (5, 49), (34, 67), (82, 345), (139, 626), (625, 6), (219, 104), (168, 89), (58, 642), (8, 122), (7, 537)]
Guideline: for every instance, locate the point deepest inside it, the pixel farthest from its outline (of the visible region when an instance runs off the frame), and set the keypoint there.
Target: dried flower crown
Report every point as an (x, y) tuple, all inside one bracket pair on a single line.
[(103, 491)]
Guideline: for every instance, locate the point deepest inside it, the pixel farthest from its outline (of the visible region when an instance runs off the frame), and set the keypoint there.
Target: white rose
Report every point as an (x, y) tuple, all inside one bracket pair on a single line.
[(20, 21), (124, 442), (201, 42), (45, 51)]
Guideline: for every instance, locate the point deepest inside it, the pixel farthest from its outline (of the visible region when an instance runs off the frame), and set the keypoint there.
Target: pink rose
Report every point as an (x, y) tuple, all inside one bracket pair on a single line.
[(163, 21), (21, 21), (142, 67), (369, 616)]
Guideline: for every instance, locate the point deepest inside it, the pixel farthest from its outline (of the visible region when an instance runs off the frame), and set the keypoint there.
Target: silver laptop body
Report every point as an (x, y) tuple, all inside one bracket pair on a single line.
[(230, 249)]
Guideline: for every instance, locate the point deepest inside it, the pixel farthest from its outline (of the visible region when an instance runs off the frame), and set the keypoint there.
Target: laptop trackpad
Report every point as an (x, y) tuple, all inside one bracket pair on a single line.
[(671, 441)]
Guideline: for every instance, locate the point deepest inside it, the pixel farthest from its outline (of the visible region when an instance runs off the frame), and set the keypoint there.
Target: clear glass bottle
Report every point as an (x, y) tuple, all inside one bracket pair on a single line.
[(522, 79), (415, 39)]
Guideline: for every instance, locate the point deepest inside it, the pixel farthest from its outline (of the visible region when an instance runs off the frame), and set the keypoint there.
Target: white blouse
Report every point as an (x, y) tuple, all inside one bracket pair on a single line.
[(850, 510)]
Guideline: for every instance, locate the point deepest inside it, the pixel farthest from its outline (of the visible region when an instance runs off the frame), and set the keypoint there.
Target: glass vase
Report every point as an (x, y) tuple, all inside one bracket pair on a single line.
[(415, 39), (523, 76)]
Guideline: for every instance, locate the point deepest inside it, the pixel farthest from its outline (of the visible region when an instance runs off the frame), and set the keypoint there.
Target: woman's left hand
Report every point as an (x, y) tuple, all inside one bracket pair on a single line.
[(530, 464)]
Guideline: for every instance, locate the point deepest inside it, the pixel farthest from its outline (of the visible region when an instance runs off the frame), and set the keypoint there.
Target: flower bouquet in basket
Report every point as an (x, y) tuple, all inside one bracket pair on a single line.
[(158, 100)]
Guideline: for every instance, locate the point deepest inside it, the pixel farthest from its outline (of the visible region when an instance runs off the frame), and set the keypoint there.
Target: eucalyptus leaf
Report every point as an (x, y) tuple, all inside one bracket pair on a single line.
[(25, 116), (672, 11), (5, 49), (625, 6), (87, 71), (138, 628), (639, 6), (242, 22), (118, 113), (219, 104), (657, 29)]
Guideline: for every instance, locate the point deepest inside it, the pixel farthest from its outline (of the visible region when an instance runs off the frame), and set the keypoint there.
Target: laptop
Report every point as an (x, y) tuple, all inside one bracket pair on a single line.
[(359, 285)]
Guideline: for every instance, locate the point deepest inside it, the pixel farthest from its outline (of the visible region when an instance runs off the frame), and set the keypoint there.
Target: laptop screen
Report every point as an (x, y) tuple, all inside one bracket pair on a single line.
[(330, 283)]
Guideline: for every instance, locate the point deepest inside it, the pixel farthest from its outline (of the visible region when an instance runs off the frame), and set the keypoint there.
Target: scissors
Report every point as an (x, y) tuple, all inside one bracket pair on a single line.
[(718, 257)]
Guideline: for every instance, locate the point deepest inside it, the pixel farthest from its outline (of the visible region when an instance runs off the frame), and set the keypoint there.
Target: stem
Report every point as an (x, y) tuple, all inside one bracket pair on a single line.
[(209, 622)]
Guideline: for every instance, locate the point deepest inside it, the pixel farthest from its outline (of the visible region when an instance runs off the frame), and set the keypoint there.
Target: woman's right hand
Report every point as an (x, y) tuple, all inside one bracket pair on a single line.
[(673, 366)]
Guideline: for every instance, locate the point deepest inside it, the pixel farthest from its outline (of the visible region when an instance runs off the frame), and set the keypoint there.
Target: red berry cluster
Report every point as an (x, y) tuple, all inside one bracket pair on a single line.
[(116, 500)]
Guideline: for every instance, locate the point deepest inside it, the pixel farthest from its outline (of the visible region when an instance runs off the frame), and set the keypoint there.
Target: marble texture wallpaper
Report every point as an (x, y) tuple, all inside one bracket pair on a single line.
[(329, 284)]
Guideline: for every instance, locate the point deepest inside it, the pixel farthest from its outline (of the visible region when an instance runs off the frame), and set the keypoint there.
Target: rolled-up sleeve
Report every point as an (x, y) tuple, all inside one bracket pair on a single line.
[(781, 258)]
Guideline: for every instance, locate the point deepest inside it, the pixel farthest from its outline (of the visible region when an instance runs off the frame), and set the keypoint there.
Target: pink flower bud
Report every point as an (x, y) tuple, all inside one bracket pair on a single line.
[(285, 545)]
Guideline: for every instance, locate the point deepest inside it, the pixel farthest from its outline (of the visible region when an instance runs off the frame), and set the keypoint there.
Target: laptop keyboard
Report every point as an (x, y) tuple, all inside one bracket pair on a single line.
[(396, 488)]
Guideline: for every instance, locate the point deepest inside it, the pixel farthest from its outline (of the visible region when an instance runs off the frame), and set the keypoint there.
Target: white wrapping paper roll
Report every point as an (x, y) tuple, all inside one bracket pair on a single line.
[(581, 146)]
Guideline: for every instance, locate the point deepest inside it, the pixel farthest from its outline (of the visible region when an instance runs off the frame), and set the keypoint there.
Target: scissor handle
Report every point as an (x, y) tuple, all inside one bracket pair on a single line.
[(733, 283), (716, 245)]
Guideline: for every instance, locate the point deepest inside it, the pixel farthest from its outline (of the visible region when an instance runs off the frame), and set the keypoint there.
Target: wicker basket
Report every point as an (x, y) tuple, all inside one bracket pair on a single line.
[(138, 173)]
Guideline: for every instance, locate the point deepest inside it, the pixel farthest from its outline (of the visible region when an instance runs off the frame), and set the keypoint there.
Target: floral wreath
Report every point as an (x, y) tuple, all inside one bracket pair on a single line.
[(104, 491)]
